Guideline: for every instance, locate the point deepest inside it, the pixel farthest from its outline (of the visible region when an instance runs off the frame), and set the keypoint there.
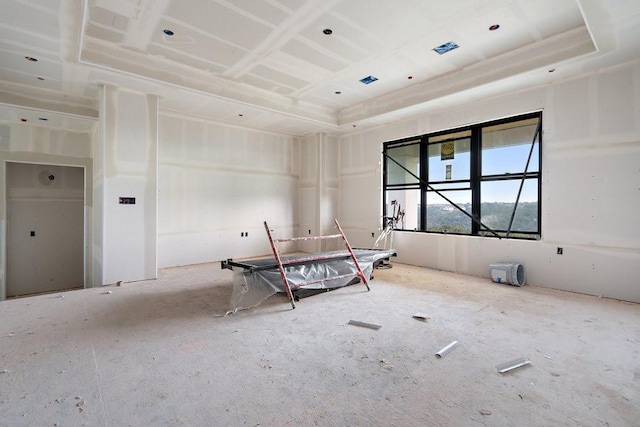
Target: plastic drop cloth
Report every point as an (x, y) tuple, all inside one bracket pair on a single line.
[(250, 288)]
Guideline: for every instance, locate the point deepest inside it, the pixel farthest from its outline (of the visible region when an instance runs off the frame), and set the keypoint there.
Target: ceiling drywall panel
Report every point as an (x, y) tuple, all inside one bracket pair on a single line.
[(274, 56)]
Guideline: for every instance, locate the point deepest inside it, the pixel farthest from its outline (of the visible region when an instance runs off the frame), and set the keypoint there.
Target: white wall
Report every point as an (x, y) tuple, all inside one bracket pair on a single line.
[(319, 191), (126, 147), (22, 142), (590, 189), (217, 182)]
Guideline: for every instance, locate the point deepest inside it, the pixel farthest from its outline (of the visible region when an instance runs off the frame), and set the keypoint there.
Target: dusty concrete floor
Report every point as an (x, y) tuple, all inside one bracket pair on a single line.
[(153, 353)]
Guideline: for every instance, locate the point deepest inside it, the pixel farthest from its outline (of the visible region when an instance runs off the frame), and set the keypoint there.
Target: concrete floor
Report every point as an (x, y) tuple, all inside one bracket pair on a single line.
[(153, 353)]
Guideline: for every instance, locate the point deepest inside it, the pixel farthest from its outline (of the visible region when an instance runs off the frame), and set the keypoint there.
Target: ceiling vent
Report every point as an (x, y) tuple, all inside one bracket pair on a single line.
[(368, 80), (442, 49)]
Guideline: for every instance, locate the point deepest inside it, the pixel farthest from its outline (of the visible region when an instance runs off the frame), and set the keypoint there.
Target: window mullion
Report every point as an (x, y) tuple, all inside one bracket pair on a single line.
[(424, 177), (476, 171)]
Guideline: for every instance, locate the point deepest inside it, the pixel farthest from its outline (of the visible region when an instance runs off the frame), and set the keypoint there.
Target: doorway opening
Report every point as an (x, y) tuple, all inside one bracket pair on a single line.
[(45, 228)]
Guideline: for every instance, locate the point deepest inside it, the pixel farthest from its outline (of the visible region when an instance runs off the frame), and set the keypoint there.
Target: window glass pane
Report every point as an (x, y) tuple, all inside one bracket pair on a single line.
[(409, 157), (407, 203), (444, 217), (450, 160), (505, 148), (498, 199)]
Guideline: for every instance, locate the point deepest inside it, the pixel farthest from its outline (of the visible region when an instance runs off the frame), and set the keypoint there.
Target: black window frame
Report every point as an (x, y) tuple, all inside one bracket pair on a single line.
[(475, 180)]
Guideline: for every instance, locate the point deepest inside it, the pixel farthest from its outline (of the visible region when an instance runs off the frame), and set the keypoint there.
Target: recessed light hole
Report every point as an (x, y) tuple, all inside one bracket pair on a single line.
[(31, 59), (552, 70), (23, 120), (409, 77), (338, 92), (168, 32), (40, 78), (327, 31), (494, 27), (44, 119)]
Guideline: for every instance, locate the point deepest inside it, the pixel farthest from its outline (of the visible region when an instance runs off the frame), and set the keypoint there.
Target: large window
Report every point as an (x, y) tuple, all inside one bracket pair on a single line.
[(478, 180)]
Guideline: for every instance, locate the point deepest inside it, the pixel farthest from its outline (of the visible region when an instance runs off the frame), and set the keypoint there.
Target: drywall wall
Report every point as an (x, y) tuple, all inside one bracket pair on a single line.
[(218, 182), (26, 143), (590, 194), (319, 191), (45, 228), (127, 143)]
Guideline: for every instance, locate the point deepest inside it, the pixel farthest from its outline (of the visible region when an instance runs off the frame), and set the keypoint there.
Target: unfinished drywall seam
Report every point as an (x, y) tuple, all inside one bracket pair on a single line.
[(151, 189), (130, 171), (319, 179)]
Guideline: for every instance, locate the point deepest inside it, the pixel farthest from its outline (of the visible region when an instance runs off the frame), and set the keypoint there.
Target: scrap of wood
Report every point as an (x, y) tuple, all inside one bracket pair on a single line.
[(364, 324)]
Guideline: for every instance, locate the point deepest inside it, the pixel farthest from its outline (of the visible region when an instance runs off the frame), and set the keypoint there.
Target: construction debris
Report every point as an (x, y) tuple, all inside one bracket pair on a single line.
[(364, 324), (447, 349), (508, 366)]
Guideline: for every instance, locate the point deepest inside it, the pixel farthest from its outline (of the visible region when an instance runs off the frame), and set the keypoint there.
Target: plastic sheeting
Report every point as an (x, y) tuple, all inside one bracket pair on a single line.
[(250, 287)]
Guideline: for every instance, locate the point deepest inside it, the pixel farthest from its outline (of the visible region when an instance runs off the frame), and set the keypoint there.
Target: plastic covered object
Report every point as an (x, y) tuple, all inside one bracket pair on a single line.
[(250, 288)]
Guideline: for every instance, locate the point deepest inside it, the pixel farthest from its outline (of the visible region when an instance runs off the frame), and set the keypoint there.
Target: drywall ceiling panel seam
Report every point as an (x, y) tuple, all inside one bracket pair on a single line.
[(44, 94), (22, 39), (38, 50), (74, 75), (52, 104), (143, 26), (519, 12), (257, 17), (568, 45), (121, 61), (121, 7), (214, 61), (278, 77), (22, 16), (598, 22), (44, 107), (281, 35), (295, 66)]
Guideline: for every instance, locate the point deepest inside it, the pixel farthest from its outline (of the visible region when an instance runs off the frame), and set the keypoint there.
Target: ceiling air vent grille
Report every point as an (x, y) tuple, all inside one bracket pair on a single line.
[(442, 49), (368, 80)]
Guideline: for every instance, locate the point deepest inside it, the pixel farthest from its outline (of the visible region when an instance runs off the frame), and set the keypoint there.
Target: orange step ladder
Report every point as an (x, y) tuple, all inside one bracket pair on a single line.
[(319, 257)]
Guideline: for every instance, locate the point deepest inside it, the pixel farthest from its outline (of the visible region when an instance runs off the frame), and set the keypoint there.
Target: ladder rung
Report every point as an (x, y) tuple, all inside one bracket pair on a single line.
[(296, 239), (315, 258)]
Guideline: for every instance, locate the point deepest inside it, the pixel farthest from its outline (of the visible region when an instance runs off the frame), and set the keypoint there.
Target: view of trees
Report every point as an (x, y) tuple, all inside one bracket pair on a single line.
[(445, 218)]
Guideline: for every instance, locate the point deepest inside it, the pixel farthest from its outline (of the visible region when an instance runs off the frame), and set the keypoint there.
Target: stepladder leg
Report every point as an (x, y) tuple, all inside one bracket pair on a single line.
[(359, 272), (290, 295)]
